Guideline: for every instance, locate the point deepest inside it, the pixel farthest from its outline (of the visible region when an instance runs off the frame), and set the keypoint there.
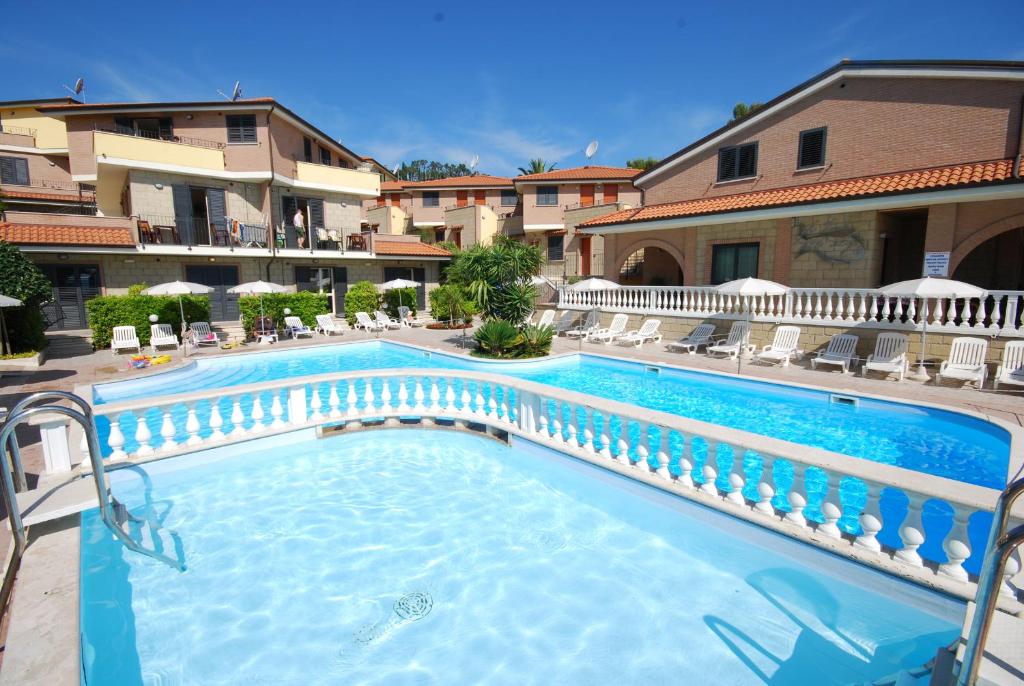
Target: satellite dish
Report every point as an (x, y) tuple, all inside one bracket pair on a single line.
[(79, 87), (394, 169), (236, 92), (591, 149), (475, 161)]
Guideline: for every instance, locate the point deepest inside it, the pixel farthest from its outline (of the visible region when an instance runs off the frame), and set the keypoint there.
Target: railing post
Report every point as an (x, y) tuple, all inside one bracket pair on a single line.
[(297, 405)]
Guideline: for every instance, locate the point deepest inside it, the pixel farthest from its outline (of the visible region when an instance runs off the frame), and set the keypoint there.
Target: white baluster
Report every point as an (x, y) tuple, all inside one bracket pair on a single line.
[(192, 426), (663, 455), (237, 418), (572, 441), (870, 520), (368, 398), (466, 399), (492, 403), (385, 396), (334, 402), (709, 486), (685, 478), (766, 488), (449, 395), (643, 449), (216, 421), (419, 396), (606, 439), (315, 404), (142, 437), (276, 410), (435, 396), (830, 508), (351, 399), (912, 532), (622, 446), (736, 480), (403, 395), (588, 432), (257, 414), (167, 432), (116, 439), (556, 425), (797, 498), (957, 546), (1010, 570)]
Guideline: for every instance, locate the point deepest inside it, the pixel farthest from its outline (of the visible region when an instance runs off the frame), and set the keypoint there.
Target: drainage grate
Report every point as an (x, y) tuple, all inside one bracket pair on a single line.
[(414, 606), (653, 370), (847, 400)]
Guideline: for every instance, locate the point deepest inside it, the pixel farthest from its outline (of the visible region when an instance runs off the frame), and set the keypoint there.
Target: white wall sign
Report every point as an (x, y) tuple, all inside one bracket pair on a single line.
[(936, 264)]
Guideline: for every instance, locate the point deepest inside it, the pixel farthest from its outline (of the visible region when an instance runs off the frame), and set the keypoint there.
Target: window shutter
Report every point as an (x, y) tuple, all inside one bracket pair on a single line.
[(307, 149), (812, 148), (241, 128), (727, 164), (747, 164), (14, 171), (217, 207), (288, 207), (316, 213), (182, 199)]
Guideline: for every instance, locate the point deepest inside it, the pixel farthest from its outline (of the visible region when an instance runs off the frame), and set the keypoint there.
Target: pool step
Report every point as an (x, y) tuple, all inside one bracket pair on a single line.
[(1003, 661)]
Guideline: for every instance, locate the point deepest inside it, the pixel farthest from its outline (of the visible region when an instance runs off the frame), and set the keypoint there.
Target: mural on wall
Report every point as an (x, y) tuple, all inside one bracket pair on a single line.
[(834, 240)]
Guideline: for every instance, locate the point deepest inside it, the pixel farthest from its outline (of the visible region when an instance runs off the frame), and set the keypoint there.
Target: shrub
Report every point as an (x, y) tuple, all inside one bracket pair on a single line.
[(304, 305), (451, 303), (396, 296), (535, 341), (22, 279), (108, 311), (497, 276), (362, 296), (496, 337)]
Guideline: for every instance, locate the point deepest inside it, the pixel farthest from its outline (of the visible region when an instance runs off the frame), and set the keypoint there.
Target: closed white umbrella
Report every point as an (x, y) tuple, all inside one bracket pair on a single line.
[(258, 288), (179, 288), (398, 283), (930, 287), (7, 301), (749, 288)]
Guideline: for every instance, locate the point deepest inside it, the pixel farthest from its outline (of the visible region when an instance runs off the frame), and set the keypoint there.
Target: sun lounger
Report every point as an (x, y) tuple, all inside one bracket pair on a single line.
[(326, 325), (161, 335), (966, 361), (736, 342), (124, 338), (614, 330), (296, 328), (200, 333), (1011, 369), (648, 331), (566, 321), (783, 348), (589, 325), (364, 322), (889, 357), (841, 352), (385, 321), (700, 336)]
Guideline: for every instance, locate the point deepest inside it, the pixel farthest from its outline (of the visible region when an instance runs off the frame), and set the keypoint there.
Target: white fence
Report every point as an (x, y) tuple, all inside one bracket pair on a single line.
[(998, 314), (795, 489)]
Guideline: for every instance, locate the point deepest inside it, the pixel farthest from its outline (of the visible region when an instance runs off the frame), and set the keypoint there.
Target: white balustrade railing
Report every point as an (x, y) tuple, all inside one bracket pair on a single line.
[(793, 489), (1000, 313)]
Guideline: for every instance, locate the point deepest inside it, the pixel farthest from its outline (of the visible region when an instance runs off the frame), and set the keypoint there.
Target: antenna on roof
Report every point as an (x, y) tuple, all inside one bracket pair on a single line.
[(236, 92), (473, 162), (591, 149), (394, 169), (79, 87)]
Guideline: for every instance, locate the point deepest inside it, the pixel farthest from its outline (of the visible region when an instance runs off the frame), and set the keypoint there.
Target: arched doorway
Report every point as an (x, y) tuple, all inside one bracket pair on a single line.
[(996, 264), (650, 266)]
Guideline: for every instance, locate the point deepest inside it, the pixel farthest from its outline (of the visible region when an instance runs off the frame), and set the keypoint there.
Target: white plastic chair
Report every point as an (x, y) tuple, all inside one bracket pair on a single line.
[(546, 317), (364, 322), (700, 336), (841, 352), (588, 326), (1011, 369), (565, 322), (783, 348), (202, 334), (966, 361), (737, 341), (124, 338), (890, 355), (614, 330), (296, 328), (162, 335), (648, 331), (325, 325), (385, 321)]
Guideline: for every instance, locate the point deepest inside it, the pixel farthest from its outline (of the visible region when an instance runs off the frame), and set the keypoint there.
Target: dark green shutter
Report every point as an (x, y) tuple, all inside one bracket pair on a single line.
[(316, 213), (216, 206), (182, 198), (14, 171)]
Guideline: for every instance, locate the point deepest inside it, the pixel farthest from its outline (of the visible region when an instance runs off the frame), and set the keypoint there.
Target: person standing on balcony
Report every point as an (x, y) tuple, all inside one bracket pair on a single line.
[(299, 222)]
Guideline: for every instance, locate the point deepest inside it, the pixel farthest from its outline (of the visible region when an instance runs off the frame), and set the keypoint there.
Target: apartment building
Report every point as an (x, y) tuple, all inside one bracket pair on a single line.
[(556, 202), (866, 174), (106, 195)]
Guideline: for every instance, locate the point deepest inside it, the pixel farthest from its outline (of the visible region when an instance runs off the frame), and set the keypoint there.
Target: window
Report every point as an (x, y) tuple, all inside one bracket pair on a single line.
[(509, 198), (325, 156), (737, 162), (431, 198), (14, 171), (307, 149), (733, 261), (556, 247), (812, 149), (438, 235), (146, 127), (547, 196), (241, 128)]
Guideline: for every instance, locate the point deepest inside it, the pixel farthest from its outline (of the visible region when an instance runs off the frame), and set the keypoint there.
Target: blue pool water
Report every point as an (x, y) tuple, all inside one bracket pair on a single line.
[(431, 557)]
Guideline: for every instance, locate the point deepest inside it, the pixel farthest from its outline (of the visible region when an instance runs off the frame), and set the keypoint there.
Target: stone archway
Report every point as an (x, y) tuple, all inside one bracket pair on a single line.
[(985, 233), (650, 262), (995, 263)]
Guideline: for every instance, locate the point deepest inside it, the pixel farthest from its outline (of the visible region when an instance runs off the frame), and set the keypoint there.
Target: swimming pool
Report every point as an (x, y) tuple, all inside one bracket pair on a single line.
[(433, 557), (928, 440)]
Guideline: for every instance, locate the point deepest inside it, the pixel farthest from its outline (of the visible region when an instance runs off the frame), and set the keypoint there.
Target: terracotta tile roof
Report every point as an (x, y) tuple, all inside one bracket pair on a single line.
[(41, 195), (386, 186), (40, 234), (588, 173), (412, 248), (935, 178), (477, 180)]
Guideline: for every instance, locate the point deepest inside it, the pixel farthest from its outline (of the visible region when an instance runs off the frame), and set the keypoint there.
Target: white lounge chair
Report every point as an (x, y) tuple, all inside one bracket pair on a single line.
[(614, 330), (202, 334), (1011, 369), (589, 325), (841, 352), (546, 317), (700, 336), (565, 322), (296, 328), (736, 342), (966, 361), (890, 355), (162, 335), (364, 322), (408, 319), (648, 331), (387, 322), (124, 338), (782, 348), (326, 325)]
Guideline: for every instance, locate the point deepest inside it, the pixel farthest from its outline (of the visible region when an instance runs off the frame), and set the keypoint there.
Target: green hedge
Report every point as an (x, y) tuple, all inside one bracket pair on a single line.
[(405, 296), (362, 296), (305, 305), (108, 311), (20, 278)]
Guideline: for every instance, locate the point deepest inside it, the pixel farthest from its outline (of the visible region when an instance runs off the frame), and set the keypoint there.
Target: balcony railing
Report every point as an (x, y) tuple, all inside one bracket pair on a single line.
[(71, 188), (18, 130), (318, 238), (167, 137), (201, 231), (998, 313)]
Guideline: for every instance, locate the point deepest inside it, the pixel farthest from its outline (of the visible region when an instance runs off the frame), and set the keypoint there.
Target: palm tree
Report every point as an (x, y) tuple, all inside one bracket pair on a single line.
[(537, 166)]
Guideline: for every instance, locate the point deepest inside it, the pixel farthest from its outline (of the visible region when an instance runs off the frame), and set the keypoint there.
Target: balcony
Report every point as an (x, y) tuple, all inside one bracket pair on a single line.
[(19, 136), (336, 179), (129, 150), (160, 230)]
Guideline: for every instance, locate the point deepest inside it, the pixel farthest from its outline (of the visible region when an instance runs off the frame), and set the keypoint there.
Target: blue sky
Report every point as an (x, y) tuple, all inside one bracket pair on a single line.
[(505, 81)]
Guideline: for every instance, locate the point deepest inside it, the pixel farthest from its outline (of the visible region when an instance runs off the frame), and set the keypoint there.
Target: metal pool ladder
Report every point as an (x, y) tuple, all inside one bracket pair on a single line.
[(1001, 544), (113, 513)]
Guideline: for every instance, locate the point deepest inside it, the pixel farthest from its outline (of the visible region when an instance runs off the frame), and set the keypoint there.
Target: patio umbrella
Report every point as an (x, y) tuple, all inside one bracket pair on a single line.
[(7, 301), (179, 288), (398, 283), (749, 288), (930, 287), (258, 288), (590, 285)]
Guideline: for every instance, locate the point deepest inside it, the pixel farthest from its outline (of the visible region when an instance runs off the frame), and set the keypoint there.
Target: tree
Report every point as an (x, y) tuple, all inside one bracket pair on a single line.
[(498, 277), (742, 109), (641, 163), (20, 278), (427, 170), (537, 166)]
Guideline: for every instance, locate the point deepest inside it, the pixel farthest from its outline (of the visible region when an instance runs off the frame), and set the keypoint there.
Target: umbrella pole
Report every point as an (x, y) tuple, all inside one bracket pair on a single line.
[(922, 374), (184, 341)]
